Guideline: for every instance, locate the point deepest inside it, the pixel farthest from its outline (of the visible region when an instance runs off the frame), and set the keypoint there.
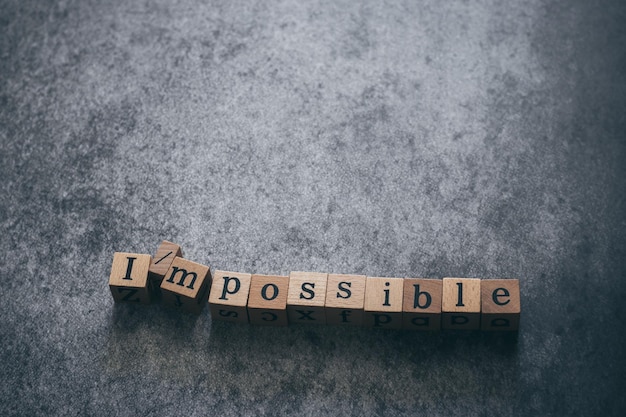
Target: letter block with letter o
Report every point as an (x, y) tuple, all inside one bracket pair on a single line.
[(306, 297), (383, 302), (500, 304), (267, 302), (460, 304), (186, 285), (345, 297), (229, 296), (165, 254), (421, 309), (129, 277)]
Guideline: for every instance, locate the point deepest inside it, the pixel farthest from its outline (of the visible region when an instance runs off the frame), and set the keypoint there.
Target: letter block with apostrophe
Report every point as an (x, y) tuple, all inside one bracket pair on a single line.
[(421, 309), (267, 302), (460, 304), (345, 297), (383, 302), (129, 277), (165, 254), (306, 297), (186, 285), (500, 300), (229, 296)]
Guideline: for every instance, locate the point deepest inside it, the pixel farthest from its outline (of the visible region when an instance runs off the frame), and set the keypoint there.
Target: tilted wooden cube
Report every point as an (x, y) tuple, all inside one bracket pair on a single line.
[(345, 297), (129, 277), (161, 262), (306, 297), (267, 302), (186, 285), (460, 304), (421, 309), (500, 300), (383, 302), (229, 296)]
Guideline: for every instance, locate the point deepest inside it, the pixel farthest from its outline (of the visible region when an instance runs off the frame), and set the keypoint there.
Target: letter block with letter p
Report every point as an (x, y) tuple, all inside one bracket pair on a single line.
[(460, 304), (129, 277), (345, 298), (306, 297), (383, 302), (229, 296), (267, 303), (421, 309), (500, 300), (186, 285)]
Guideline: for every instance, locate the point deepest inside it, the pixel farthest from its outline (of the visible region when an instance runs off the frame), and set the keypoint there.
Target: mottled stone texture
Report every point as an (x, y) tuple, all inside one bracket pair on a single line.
[(424, 139)]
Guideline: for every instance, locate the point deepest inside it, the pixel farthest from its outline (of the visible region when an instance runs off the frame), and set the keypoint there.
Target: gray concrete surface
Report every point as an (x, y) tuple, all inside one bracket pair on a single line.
[(426, 139)]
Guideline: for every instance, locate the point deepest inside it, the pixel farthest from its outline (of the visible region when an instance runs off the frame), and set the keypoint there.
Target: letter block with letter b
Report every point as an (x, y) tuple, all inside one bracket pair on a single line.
[(345, 297), (129, 277), (186, 285), (306, 297), (383, 302), (460, 304), (267, 302), (165, 254), (229, 296), (421, 309), (500, 304)]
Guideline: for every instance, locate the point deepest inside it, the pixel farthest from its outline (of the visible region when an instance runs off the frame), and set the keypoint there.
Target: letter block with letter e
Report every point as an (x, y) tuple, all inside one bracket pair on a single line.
[(500, 304), (165, 254), (460, 304), (383, 302), (267, 302), (129, 277), (229, 296), (186, 285), (306, 297), (345, 297), (421, 309)]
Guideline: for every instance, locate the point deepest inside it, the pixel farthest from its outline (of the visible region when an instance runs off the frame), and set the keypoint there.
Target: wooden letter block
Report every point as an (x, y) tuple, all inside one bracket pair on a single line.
[(229, 296), (383, 302), (306, 297), (186, 285), (421, 309), (461, 303), (345, 297), (267, 303), (500, 304), (165, 254), (129, 277)]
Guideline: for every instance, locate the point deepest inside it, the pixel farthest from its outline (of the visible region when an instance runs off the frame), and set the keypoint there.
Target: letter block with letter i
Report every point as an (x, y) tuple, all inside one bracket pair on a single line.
[(460, 304), (229, 296), (383, 302), (345, 298), (500, 304), (267, 303), (186, 285), (421, 309), (129, 277), (306, 297)]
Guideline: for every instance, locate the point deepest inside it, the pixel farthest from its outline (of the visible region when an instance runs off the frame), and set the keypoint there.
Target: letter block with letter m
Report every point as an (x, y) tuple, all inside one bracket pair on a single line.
[(186, 285), (267, 303), (500, 304), (129, 277), (306, 297), (229, 296), (460, 304), (421, 309)]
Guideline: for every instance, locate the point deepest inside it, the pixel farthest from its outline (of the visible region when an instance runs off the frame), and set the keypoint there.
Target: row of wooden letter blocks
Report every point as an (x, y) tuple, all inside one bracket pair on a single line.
[(316, 298)]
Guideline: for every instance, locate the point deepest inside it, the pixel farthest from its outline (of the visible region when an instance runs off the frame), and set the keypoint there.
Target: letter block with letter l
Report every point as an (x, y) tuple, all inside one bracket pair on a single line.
[(129, 277), (500, 304), (306, 297), (186, 285), (421, 309), (267, 303), (165, 254), (229, 296), (383, 302), (460, 305), (345, 297)]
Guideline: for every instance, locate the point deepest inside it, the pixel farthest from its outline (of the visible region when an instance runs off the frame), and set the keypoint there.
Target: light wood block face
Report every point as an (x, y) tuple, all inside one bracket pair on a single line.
[(165, 254), (306, 297), (345, 298), (460, 304), (229, 296), (129, 277), (421, 307), (500, 300), (186, 285), (267, 302), (383, 302)]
